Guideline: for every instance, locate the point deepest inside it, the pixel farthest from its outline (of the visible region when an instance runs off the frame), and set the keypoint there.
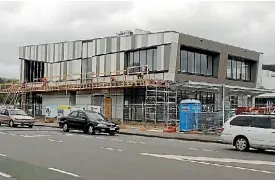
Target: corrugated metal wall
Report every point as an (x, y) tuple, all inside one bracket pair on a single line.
[(105, 55)]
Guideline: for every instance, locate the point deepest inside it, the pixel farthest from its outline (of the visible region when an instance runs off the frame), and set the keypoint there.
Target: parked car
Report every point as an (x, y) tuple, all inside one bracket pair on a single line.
[(15, 117), (89, 122), (250, 131)]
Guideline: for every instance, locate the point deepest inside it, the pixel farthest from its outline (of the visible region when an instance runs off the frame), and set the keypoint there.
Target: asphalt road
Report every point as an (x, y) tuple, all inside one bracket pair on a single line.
[(49, 154)]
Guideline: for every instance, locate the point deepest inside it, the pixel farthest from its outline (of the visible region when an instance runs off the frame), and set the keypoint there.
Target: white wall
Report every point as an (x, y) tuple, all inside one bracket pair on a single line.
[(268, 79)]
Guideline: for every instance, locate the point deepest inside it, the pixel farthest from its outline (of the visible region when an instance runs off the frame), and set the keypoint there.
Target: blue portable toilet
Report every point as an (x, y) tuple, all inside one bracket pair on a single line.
[(190, 114)]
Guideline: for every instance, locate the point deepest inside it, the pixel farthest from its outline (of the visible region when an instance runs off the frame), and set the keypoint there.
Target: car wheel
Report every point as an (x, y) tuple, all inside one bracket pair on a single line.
[(65, 128), (11, 124), (242, 144), (91, 130), (112, 133), (30, 126)]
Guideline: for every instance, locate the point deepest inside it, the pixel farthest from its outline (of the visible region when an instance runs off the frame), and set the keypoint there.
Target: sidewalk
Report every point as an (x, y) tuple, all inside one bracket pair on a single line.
[(155, 134)]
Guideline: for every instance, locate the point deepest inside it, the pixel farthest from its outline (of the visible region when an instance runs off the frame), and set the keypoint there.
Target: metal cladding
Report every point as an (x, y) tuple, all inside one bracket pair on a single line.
[(103, 55)]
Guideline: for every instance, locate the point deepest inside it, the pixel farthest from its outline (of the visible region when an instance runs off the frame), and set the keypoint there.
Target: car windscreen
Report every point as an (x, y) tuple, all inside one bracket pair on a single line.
[(95, 116), (17, 112)]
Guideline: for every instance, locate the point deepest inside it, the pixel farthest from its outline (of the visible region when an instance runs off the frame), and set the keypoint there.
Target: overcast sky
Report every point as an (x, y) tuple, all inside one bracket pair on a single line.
[(249, 25)]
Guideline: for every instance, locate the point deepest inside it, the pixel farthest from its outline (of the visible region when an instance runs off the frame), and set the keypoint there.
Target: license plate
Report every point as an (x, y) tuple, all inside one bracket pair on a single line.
[(112, 129)]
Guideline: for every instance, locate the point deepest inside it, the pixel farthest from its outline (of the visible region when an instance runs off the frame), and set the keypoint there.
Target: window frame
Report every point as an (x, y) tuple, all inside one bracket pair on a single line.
[(244, 71), (236, 119), (70, 115), (194, 61), (268, 118)]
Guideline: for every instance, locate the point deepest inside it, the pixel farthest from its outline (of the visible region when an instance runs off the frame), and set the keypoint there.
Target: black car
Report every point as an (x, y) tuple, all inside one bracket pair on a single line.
[(89, 122)]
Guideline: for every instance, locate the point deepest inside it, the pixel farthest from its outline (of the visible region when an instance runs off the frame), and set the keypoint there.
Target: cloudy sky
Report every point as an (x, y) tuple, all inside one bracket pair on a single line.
[(246, 24)]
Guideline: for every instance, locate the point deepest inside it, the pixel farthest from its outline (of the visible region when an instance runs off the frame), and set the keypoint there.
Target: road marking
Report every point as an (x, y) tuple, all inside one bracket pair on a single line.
[(3, 133), (140, 142), (55, 140), (227, 160), (132, 142), (12, 134), (5, 175), (195, 149), (27, 136), (64, 172), (207, 150), (120, 140), (111, 149), (101, 138), (2, 155), (201, 160)]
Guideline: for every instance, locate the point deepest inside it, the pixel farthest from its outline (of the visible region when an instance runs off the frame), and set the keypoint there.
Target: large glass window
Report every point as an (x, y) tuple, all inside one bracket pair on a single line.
[(141, 58), (196, 63), (183, 60), (238, 68)]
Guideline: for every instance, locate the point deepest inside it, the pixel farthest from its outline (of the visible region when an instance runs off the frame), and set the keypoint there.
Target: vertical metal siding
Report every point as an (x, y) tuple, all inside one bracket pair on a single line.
[(76, 66), (160, 58), (84, 50), (33, 53), (138, 41), (39, 53), (66, 51), (94, 65), (108, 45), (114, 44), (121, 62), (56, 71), (28, 52), (113, 63), (108, 64), (69, 70), (71, 50), (152, 39), (103, 47), (144, 40), (102, 65), (78, 49), (22, 62), (50, 53), (91, 49), (43, 53), (167, 52)]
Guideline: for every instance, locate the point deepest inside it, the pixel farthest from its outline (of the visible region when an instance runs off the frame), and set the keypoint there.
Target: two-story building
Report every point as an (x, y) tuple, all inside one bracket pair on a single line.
[(201, 66)]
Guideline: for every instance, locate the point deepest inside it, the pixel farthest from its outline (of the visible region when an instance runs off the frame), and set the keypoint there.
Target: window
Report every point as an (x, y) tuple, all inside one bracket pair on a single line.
[(238, 68), (196, 63), (261, 122), (73, 114), (141, 58), (272, 123), (241, 121)]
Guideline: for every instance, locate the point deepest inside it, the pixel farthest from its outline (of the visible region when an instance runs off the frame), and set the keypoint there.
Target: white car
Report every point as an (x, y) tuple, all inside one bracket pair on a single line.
[(250, 131)]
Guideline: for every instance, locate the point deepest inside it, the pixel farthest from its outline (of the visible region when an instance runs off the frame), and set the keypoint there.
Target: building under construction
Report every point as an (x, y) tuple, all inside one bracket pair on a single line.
[(153, 71)]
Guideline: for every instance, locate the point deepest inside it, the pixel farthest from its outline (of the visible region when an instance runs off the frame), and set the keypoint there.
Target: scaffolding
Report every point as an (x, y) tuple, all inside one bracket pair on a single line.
[(160, 102)]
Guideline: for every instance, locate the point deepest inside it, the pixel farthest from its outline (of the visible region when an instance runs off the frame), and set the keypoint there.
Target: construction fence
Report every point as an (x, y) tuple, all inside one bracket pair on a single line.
[(155, 114)]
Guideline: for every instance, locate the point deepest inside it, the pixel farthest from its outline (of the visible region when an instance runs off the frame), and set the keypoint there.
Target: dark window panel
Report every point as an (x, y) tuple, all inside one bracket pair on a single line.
[(183, 61), (203, 64), (210, 65), (197, 63), (191, 63)]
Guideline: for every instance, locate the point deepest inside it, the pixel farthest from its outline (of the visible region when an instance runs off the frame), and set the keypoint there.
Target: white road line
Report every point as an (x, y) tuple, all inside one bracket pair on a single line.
[(195, 149), (12, 134), (132, 142), (64, 172), (200, 161), (207, 150), (111, 149), (27, 136), (2, 133), (5, 175), (2, 155), (140, 142), (120, 140), (101, 138), (55, 140)]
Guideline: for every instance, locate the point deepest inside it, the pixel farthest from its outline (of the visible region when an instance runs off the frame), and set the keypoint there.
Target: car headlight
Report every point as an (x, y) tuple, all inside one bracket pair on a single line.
[(102, 125)]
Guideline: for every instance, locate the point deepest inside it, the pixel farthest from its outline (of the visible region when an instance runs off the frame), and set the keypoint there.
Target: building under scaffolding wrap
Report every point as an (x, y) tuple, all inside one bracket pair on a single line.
[(135, 76)]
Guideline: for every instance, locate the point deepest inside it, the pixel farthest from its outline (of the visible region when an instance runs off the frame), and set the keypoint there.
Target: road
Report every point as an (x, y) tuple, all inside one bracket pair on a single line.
[(49, 154)]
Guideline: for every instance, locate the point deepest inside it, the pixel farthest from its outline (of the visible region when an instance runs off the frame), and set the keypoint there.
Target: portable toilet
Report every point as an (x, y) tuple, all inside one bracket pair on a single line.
[(190, 114)]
